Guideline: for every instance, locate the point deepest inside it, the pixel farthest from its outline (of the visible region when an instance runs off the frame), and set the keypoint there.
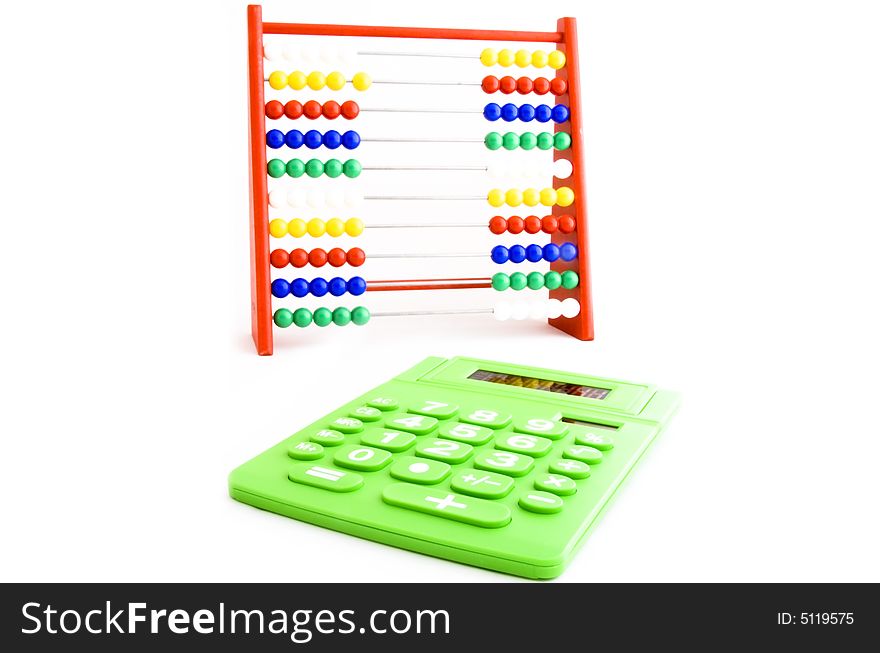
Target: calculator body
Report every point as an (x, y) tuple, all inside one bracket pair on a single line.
[(489, 464)]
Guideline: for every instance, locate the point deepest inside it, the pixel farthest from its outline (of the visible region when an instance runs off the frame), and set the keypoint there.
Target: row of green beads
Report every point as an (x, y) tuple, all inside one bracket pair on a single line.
[(528, 141), (303, 317), (535, 280), (314, 168)]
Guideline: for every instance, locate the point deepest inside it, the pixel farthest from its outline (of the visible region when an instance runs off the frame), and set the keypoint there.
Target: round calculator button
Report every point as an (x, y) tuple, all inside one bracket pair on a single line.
[(583, 453), (305, 451), (347, 425), (328, 438), (595, 440), (419, 470), (384, 403), (366, 413), (555, 484), (540, 502), (570, 468)]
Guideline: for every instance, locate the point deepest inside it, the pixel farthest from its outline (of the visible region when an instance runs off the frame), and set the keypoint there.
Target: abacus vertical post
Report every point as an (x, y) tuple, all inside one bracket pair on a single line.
[(261, 301)]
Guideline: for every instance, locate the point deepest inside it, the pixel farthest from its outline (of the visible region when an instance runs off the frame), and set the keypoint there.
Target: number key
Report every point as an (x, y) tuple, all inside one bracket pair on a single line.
[(415, 424), (489, 418), (470, 433), (445, 450), (547, 428), (530, 444), (393, 441), (365, 459), (504, 462), (437, 409)]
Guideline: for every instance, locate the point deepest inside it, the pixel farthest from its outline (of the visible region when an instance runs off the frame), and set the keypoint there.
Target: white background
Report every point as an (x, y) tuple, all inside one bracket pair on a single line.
[(732, 166)]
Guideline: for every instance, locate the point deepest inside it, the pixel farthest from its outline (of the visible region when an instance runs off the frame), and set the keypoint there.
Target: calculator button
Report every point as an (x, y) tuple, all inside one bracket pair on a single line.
[(504, 462), (489, 418), (328, 438), (347, 425), (547, 428), (419, 470), (437, 409), (393, 441), (570, 468), (528, 444), (485, 485), (555, 483), (384, 403), (469, 510), (366, 413), (470, 433), (415, 424), (305, 451), (445, 450), (364, 459), (583, 453), (600, 442), (326, 478), (540, 502)]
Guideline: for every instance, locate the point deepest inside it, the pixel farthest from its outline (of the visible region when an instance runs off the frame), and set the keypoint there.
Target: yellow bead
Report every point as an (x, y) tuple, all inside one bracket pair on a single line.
[(278, 80), (556, 59), (513, 197), (315, 227), (488, 57), (506, 57), (539, 58), (564, 196), (297, 80), (548, 197), (316, 80), (335, 81), (354, 227), (523, 58), (278, 228), (496, 197), (530, 197), (296, 228), (335, 227), (361, 81)]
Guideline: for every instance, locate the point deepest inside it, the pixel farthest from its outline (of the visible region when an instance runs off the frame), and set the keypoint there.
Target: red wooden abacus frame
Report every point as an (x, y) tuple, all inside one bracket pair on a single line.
[(565, 38)]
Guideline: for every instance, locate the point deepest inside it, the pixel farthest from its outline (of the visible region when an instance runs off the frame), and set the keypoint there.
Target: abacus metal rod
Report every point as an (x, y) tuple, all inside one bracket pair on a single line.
[(421, 83), (471, 168), (384, 53), (452, 311), (387, 110), (438, 255), (481, 225), (422, 140), (428, 284), (426, 197)]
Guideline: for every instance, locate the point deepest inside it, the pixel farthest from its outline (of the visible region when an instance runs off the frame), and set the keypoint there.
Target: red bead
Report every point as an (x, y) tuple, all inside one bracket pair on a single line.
[(524, 85), (515, 224), (549, 224), (356, 256), (331, 109), (541, 85), (317, 257), (507, 85), (336, 257), (567, 225), (312, 109), (350, 109), (497, 225), (532, 224), (279, 258), (490, 84), (274, 110), (293, 109), (299, 258), (558, 86)]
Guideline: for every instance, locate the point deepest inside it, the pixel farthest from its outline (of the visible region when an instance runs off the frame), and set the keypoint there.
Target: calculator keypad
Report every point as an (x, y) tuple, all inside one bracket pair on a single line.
[(419, 470), (439, 502)]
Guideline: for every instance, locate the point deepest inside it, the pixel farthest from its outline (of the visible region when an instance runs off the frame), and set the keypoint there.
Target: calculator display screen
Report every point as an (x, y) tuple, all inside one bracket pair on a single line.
[(533, 383)]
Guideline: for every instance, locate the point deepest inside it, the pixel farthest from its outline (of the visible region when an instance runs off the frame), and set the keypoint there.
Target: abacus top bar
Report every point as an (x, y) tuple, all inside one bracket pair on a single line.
[(410, 32)]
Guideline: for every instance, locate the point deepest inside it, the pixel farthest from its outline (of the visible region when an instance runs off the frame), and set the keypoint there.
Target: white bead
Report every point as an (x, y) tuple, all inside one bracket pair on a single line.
[(533, 171), (277, 198), (554, 308), (291, 52), (315, 199), (570, 307), (296, 198), (537, 309), (272, 51), (562, 168), (352, 200), (327, 56), (495, 171), (502, 310), (307, 55), (520, 310)]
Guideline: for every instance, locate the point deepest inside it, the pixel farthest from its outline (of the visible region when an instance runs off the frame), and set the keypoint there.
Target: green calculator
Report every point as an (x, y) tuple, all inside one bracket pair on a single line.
[(490, 464)]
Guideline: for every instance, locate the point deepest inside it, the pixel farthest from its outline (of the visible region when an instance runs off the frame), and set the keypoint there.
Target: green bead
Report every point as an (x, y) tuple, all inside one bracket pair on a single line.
[(518, 281), (302, 317), (322, 316), (500, 281), (275, 168), (314, 168), (528, 141), (552, 280), (283, 318), (570, 279), (535, 280), (511, 141), (296, 168), (493, 140), (352, 168), (341, 316), (562, 140), (333, 168), (545, 141), (360, 315)]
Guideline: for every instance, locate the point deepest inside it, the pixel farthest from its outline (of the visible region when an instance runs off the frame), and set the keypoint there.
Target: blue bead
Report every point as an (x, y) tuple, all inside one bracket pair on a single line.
[(332, 139), (551, 252), (509, 112), (543, 113), (275, 138), (337, 286), (534, 253), (560, 113), (492, 111), (568, 251), (313, 139), (280, 288), (517, 254), (357, 286), (526, 112), (350, 140), (294, 139), (500, 254), (299, 287), (318, 287)]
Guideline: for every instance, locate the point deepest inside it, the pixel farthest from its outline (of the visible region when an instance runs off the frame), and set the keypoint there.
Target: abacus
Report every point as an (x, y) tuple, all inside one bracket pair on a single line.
[(287, 191)]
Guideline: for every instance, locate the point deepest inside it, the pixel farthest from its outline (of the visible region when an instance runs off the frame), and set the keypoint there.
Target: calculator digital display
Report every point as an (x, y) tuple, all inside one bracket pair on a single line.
[(533, 383)]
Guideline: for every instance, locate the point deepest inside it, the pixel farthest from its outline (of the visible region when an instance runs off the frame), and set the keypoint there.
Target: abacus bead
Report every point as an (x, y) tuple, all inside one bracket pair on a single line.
[(317, 257), (554, 308), (500, 281), (517, 254), (299, 288), (312, 110), (341, 316), (314, 168), (567, 224), (350, 140), (495, 197), (550, 252), (513, 197), (560, 113), (498, 225), (356, 286), (297, 80), (354, 227), (299, 258), (318, 287), (522, 58), (539, 58), (562, 140), (315, 227), (356, 256), (568, 251), (552, 280), (545, 141), (296, 228), (526, 112), (510, 141), (543, 113), (524, 86), (361, 81), (541, 85), (313, 139), (518, 281), (360, 315), (331, 110), (558, 86), (505, 57), (534, 253), (493, 140), (570, 279), (293, 109), (570, 307), (332, 139), (280, 288), (277, 80), (509, 112), (556, 59), (336, 257), (274, 110), (492, 111), (488, 57), (352, 168), (275, 168), (296, 168), (528, 140), (335, 81), (549, 223), (515, 224), (283, 318), (564, 196), (316, 80), (294, 139), (490, 84), (333, 168), (548, 197), (531, 197), (535, 280), (322, 316), (278, 228), (532, 224), (350, 109), (335, 227), (279, 258), (507, 85), (499, 254), (502, 311), (302, 317), (274, 138)]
